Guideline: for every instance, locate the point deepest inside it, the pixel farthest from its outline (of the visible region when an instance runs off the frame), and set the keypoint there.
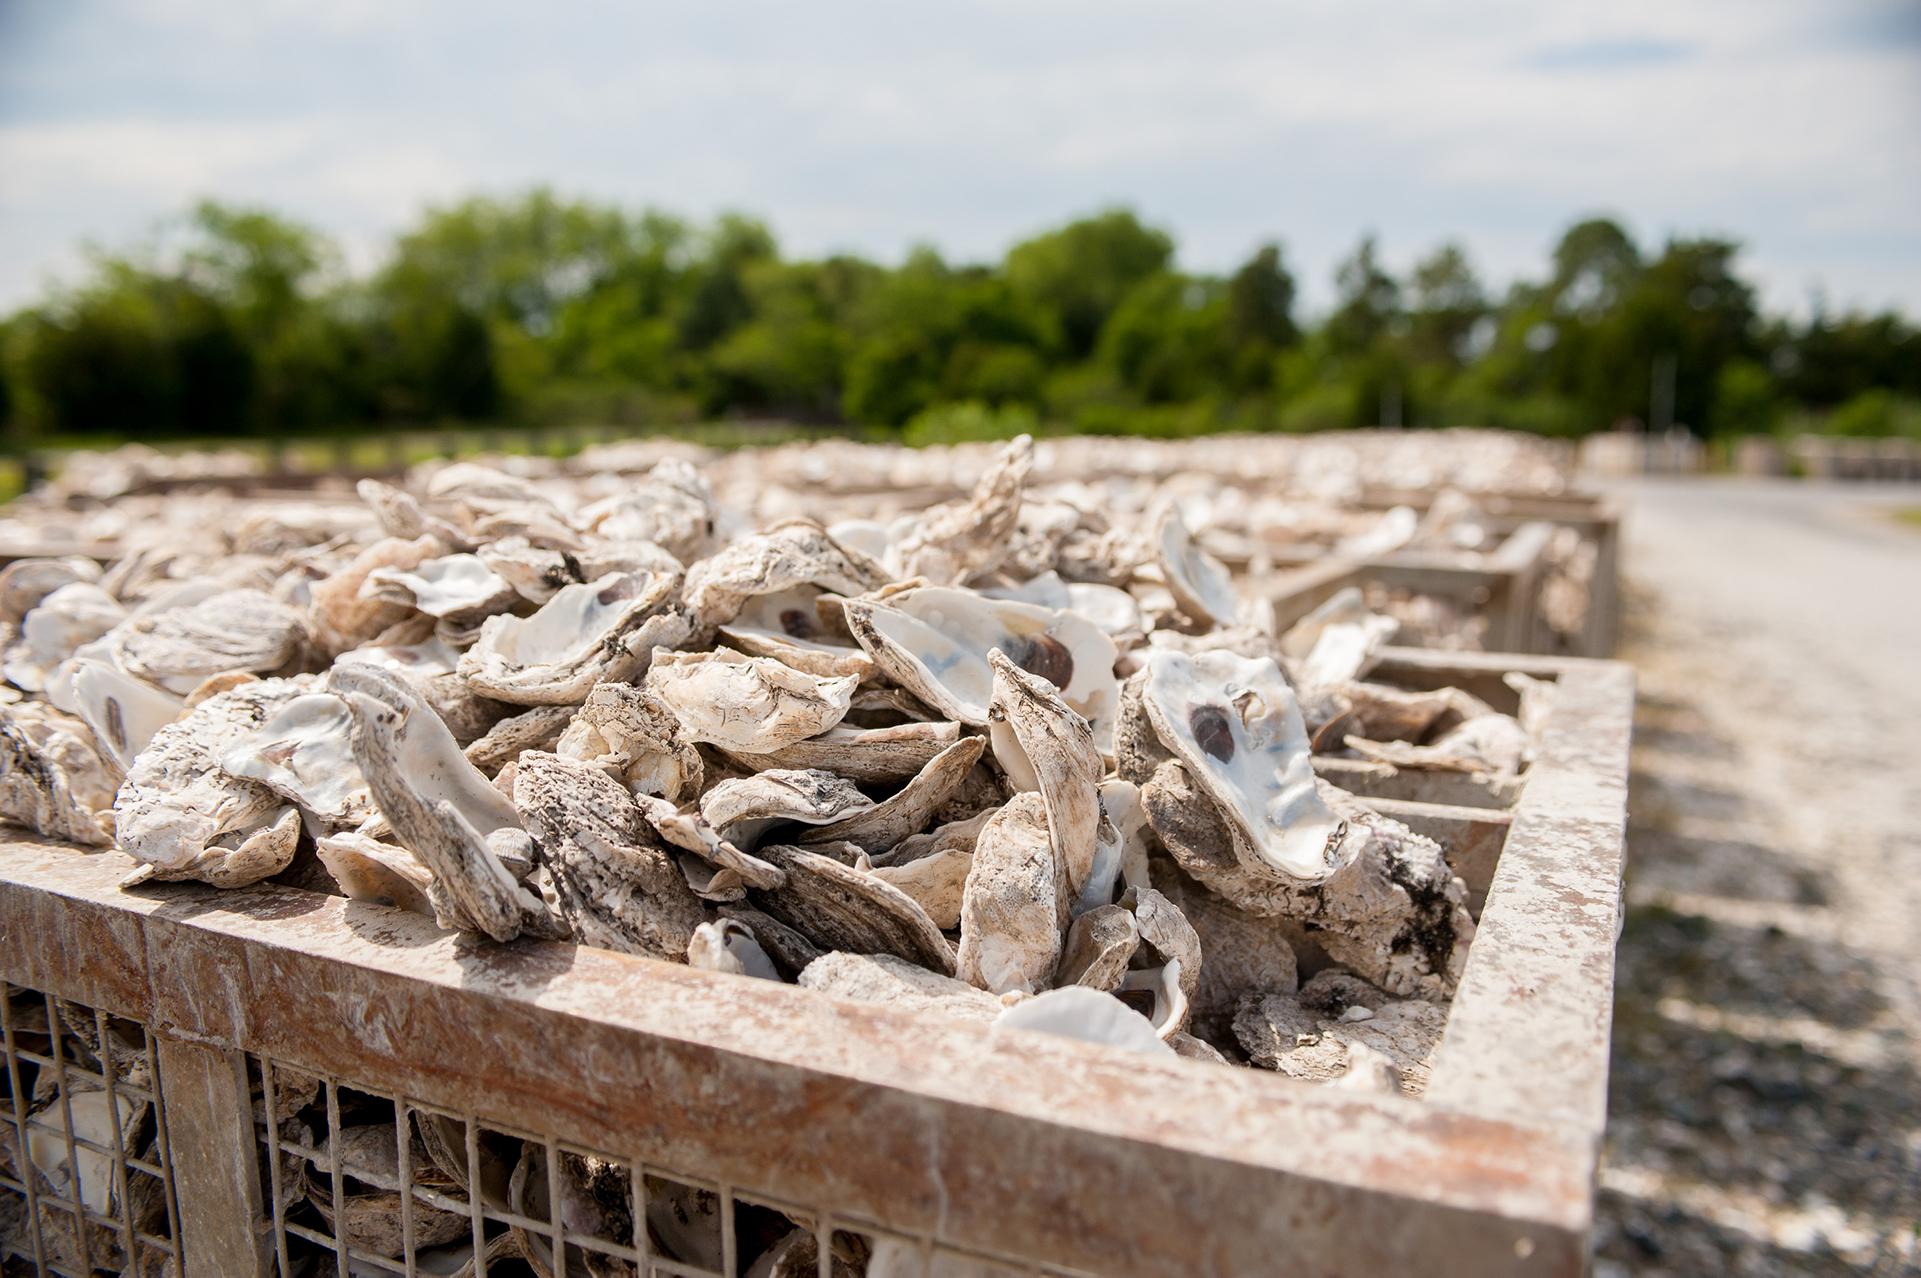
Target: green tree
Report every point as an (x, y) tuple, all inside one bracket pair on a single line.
[(1367, 302), (1073, 278), (1259, 320), (1448, 305)]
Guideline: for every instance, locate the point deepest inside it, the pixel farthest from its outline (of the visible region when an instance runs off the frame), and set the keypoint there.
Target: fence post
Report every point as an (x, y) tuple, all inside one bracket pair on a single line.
[(210, 1140)]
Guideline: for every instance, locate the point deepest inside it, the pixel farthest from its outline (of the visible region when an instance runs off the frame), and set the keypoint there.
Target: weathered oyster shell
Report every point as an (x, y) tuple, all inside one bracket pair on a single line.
[(368, 870), (727, 946), (67, 618), (886, 979), (841, 908), (440, 807), (1199, 582), (304, 753), (1013, 908), (342, 616), (604, 629), (182, 817), (53, 778), (123, 712), (1234, 725), (934, 641), (459, 589), (1099, 945), (614, 884), (634, 735), (1077, 1012), (1043, 745), (866, 755), (235, 630), (730, 870), (908, 810), (749, 704), (742, 809), (535, 728), (787, 555), (954, 543)]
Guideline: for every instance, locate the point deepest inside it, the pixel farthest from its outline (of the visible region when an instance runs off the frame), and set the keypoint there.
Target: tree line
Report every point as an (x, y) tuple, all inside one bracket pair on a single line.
[(237, 321)]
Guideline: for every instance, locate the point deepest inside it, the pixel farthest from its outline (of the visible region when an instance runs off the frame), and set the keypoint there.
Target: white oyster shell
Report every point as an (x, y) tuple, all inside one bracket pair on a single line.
[(935, 640), (304, 753), (235, 630), (603, 629), (1199, 582), (749, 704), (1075, 1011), (123, 712), (68, 617), (452, 587), (1233, 722)]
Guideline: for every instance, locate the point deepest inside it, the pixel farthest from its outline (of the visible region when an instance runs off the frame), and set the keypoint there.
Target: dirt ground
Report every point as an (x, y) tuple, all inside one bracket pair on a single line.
[(1765, 1108)]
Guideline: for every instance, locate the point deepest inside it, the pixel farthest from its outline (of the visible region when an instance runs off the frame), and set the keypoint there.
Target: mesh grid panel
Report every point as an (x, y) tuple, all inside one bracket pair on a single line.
[(86, 1185), (419, 1190)]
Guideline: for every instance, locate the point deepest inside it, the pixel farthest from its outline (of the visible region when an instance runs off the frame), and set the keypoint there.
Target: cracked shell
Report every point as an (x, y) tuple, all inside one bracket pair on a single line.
[(1012, 908), (750, 704), (841, 908), (602, 630)]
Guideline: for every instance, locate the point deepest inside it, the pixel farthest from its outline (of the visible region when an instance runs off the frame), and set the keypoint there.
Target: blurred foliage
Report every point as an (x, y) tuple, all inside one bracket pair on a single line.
[(549, 311)]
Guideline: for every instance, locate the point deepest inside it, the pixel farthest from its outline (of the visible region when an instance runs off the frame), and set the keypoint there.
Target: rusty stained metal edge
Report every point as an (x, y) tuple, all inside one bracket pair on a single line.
[(1075, 1155), (1530, 1024)]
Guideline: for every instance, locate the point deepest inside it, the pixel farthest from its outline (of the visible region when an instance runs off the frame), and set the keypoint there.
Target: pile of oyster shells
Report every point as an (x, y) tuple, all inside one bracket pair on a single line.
[(1013, 761)]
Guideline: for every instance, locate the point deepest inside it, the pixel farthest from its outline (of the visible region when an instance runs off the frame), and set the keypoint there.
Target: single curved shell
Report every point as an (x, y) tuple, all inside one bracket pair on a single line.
[(632, 733), (614, 885), (1200, 583), (673, 507), (177, 809), (1075, 1011), (1233, 723), (1044, 745), (867, 755), (841, 908), (344, 618), (934, 641), (937, 882), (25, 582), (743, 809), (603, 630), (1112, 609), (907, 811), (304, 753), (787, 626), (1336, 643), (454, 588), (690, 832), (1120, 850), (235, 630), (789, 554), (790, 951), (379, 873), (1490, 744), (749, 704), (440, 807), (123, 712), (727, 946), (954, 836), (1012, 909), (535, 728)]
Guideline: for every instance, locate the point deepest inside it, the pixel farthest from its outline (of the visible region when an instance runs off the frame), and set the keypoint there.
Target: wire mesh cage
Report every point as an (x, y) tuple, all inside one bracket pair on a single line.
[(85, 1179), (274, 1081)]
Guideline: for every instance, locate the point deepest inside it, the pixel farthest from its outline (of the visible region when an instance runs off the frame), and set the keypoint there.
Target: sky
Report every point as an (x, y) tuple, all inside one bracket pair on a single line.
[(1794, 127)]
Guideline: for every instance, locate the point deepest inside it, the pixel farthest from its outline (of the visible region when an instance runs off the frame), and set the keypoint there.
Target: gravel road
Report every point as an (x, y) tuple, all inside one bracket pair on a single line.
[(1766, 1091)]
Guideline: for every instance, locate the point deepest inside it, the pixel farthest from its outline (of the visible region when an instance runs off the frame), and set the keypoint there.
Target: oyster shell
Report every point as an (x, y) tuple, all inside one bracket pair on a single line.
[(884, 978), (181, 816), (790, 554), (1199, 582), (602, 630), (1099, 945), (934, 641), (53, 778), (304, 754), (937, 882), (750, 704), (342, 616), (123, 712), (614, 884), (235, 630), (368, 870), (1075, 1011), (1013, 908), (440, 807), (634, 735), (907, 811), (727, 946), (743, 809), (841, 908), (460, 589), (1044, 746), (535, 728), (866, 755), (66, 619), (955, 543)]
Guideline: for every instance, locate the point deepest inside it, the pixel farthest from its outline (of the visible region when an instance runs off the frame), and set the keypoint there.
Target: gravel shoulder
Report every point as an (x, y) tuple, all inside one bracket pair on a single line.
[(1766, 1089)]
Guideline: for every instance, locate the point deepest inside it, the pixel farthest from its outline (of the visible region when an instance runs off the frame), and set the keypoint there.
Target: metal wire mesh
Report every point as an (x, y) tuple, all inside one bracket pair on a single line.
[(86, 1184), (417, 1190)]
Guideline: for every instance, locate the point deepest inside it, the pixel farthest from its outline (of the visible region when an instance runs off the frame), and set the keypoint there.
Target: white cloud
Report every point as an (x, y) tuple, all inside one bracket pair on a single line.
[(869, 128)]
